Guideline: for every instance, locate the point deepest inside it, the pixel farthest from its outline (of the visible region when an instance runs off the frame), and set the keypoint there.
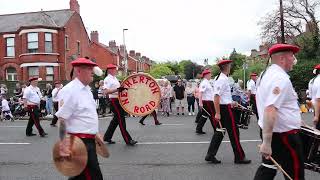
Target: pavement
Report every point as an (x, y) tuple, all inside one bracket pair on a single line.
[(171, 151)]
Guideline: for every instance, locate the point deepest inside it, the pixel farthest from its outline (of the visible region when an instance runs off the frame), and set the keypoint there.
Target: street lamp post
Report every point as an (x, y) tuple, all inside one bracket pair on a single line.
[(124, 53), (283, 40)]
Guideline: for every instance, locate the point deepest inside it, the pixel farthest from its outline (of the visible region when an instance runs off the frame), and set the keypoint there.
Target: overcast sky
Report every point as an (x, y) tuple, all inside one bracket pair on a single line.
[(167, 29)]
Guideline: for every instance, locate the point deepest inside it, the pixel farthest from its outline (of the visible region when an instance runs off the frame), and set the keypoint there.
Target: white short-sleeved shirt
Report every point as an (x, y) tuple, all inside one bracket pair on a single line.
[(309, 91), (223, 89), (252, 86), (111, 82), (206, 90), (276, 89), (55, 95), (32, 95), (78, 108), (315, 90), (5, 105)]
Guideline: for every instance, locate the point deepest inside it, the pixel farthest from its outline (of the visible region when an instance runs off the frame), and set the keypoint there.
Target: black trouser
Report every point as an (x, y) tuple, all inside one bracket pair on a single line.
[(92, 170), (190, 100), (254, 105), (34, 113), (228, 122), (102, 105), (118, 119), (154, 114), (209, 107), (287, 150), (56, 108)]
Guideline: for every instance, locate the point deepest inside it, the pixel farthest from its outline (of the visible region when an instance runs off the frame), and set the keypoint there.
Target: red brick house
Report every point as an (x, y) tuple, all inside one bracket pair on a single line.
[(41, 43), (44, 43)]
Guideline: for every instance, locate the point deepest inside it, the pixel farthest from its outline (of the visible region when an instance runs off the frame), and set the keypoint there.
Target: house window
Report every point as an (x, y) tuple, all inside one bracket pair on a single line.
[(49, 75), (33, 71), (66, 42), (48, 42), (11, 74), (10, 47), (78, 48), (32, 42)]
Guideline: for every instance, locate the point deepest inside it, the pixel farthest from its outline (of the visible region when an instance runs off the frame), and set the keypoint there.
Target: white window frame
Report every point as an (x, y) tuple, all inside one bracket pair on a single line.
[(47, 42), (10, 46), (31, 50), (11, 76), (35, 74), (49, 75)]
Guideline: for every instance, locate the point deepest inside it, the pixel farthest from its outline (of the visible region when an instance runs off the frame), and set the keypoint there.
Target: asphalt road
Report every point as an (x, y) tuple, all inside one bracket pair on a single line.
[(171, 151)]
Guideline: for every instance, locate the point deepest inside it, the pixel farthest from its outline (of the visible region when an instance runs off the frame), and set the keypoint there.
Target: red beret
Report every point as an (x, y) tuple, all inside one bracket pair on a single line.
[(223, 62), (317, 67), (206, 71), (83, 61), (111, 66), (254, 74), (34, 79), (283, 47)]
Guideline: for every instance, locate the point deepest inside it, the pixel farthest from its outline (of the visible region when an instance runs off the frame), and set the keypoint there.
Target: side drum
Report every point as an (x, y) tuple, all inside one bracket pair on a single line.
[(311, 143)]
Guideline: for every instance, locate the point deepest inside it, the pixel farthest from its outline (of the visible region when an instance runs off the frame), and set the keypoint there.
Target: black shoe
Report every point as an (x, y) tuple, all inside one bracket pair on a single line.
[(212, 159), (243, 161), (109, 141), (168, 114), (200, 132), (177, 114), (132, 143), (142, 123), (182, 114), (158, 123), (31, 134), (43, 134)]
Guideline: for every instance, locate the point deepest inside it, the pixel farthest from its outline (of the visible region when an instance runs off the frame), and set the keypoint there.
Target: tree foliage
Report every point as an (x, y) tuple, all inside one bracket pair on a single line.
[(160, 70), (297, 13)]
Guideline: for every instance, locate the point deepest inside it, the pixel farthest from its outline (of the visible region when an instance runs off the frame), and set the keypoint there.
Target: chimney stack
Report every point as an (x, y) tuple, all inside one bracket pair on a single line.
[(94, 35), (112, 44), (138, 55), (74, 6), (132, 53)]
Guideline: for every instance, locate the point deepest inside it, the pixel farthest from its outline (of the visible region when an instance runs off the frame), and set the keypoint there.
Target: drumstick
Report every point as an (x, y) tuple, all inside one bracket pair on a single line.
[(278, 166), (210, 116)]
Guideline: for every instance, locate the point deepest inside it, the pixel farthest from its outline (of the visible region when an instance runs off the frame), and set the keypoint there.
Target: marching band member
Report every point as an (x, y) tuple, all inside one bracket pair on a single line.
[(31, 100), (252, 89), (205, 101), (155, 118), (223, 113), (112, 88), (315, 95), (77, 116), (280, 117), (55, 100)]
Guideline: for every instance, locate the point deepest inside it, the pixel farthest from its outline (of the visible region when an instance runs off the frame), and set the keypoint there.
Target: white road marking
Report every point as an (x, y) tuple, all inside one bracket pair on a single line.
[(172, 124), (199, 142), (15, 143), (13, 126)]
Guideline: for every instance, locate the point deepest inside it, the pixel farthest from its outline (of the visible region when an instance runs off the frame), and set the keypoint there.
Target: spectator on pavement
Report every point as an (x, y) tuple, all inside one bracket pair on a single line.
[(165, 98), (48, 94), (190, 98), (179, 96)]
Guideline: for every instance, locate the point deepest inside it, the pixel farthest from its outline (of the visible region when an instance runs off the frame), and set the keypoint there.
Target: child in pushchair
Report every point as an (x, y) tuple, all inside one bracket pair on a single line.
[(5, 109)]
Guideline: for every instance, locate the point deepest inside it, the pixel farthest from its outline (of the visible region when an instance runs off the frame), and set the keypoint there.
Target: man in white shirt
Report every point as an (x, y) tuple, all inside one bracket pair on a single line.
[(224, 114), (252, 89), (280, 117), (6, 112), (31, 99), (206, 102), (55, 100), (112, 88), (315, 96), (78, 117)]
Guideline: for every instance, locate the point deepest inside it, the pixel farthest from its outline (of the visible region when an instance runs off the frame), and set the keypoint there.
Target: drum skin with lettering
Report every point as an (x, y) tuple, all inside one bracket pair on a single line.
[(142, 96)]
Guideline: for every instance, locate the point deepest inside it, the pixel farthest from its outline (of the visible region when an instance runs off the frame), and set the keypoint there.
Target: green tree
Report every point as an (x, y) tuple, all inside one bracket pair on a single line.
[(159, 70), (237, 59), (257, 67), (174, 66)]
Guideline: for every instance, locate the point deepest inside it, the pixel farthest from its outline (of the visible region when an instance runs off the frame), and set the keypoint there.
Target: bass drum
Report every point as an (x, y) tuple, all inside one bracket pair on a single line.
[(142, 96)]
